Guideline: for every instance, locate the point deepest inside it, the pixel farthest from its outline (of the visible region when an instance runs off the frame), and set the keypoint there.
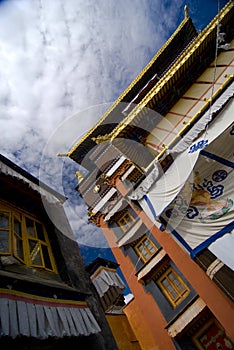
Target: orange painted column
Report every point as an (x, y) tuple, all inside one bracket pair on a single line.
[(152, 335), (218, 303), (216, 300)]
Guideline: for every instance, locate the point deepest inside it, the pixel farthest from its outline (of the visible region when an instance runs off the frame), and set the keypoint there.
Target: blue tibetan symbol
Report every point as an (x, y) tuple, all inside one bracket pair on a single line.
[(219, 175)]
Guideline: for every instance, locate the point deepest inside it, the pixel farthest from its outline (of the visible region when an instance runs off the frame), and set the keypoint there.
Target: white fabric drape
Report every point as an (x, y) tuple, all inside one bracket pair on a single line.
[(184, 143), (20, 318), (106, 279), (168, 186)]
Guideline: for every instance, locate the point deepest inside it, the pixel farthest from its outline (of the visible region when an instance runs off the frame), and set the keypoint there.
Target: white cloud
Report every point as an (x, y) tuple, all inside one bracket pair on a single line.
[(58, 58)]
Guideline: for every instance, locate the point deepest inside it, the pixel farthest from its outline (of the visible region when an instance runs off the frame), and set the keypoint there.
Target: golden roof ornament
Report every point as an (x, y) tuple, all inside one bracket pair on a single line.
[(79, 176), (96, 188), (101, 138), (186, 11)]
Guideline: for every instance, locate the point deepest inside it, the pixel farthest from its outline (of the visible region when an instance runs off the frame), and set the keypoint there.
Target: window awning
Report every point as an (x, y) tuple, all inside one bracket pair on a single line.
[(23, 314), (104, 200), (132, 234), (149, 266), (115, 209), (189, 314)]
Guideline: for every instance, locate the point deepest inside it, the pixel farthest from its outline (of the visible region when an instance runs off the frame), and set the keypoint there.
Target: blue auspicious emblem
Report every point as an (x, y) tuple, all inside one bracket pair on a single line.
[(219, 175), (215, 191), (192, 212), (198, 146)]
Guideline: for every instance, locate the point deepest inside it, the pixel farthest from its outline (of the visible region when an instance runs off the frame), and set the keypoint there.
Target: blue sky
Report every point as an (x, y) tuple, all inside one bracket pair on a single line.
[(67, 60)]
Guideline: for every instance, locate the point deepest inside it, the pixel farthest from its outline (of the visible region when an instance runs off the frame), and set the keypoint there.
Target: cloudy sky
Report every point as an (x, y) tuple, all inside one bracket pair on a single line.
[(61, 64)]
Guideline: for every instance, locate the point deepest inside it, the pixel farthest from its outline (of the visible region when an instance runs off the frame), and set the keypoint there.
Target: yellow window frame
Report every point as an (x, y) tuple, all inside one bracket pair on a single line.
[(126, 221), (24, 237), (141, 243), (181, 294), (16, 237)]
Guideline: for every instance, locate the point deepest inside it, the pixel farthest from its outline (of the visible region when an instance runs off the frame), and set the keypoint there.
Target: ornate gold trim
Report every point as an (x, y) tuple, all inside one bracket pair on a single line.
[(193, 119), (133, 83), (200, 39)]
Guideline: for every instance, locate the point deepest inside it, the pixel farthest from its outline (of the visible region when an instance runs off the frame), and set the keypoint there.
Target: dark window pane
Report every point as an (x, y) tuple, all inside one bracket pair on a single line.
[(165, 282), (17, 227), (179, 286), (30, 227), (173, 293), (40, 233), (4, 220), (128, 219), (46, 257), (171, 276), (140, 248), (18, 248), (4, 241)]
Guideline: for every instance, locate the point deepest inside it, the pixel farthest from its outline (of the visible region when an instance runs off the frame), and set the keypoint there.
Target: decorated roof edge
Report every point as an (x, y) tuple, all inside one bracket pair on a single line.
[(31, 178), (158, 86), (133, 83), (211, 25)]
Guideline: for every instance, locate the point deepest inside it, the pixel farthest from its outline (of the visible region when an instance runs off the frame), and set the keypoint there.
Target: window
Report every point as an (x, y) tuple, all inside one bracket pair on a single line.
[(25, 239), (4, 233), (145, 248), (173, 287), (126, 221)]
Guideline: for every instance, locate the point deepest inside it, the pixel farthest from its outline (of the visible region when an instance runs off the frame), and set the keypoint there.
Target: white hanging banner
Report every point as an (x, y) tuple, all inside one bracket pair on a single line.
[(167, 187), (223, 248), (204, 210)]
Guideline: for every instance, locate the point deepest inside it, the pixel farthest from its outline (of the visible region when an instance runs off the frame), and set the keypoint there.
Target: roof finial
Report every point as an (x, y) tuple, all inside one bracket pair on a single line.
[(62, 154), (79, 176), (186, 11)]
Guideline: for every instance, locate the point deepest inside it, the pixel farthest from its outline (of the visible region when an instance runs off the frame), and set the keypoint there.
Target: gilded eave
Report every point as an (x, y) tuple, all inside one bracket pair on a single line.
[(185, 25), (201, 48), (174, 73)]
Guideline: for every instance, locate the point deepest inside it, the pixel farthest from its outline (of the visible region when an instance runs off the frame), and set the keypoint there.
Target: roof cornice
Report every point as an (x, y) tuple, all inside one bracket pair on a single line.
[(132, 84)]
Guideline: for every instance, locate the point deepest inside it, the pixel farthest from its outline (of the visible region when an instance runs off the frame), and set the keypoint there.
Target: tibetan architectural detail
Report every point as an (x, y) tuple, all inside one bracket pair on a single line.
[(170, 226), (146, 184), (95, 218), (79, 176), (104, 279), (23, 314), (109, 285), (111, 180), (187, 140), (45, 297), (193, 311), (34, 185), (184, 34)]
